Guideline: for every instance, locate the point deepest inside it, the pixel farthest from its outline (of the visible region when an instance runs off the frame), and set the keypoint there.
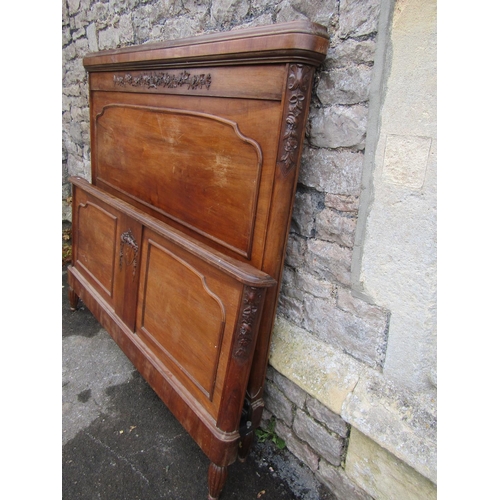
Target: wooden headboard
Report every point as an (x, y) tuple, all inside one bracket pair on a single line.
[(180, 238)]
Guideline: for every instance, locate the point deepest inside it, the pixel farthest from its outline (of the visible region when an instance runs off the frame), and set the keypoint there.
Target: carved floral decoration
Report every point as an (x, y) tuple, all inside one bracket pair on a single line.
[(299, 80), (244, 340), (165, 79)]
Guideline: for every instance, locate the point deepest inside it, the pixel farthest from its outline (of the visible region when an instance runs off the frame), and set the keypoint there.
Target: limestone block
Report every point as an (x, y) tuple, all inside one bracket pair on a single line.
[(335, 227), (327, 417), (358, 307), (330, 446), (126, 30), (319, 369), (286, 13), (363, 338), (350, 85), (397, 420), (65, 15), (73, 6), (349, 52), (336, 172), (68, 53), (78, 33), (100, 13), (342, 203), (82, 47), (381, 474), (296, 247), (300, 449), (291, 304), (338, 126), (338, 482), (405, 160), (318, 11), (315, 286), (180, 27), (224, 11), (75, 165), (66, 37), (277, 403), (109, 38), (305, 207), (358, 17), (92, 37), (329, 261), (292, 391), (196, 8)]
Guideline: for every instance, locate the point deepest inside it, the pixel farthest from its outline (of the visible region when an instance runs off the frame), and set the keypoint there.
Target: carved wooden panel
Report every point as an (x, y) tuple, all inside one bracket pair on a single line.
[(197, 169), (180, 316), (95, 253)]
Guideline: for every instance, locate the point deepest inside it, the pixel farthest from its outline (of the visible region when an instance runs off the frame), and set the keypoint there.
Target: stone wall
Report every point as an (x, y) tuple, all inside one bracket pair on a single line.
[(365, 432)]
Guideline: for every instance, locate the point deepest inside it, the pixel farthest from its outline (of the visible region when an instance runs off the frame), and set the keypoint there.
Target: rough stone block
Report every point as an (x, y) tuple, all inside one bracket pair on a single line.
[(92, 37), (338, 126), (358, 307), (306, 206), (332, 226), (300, 449), (109, 38), (329, 446), (358, 17), (350, 52), (73, 6), (291, 305), (338, 482), (365, 340), (286, 13), (278, 404), (224, 11), (383, 475), (329, 261), (292, 391), (349, 85), (315, 286), (341, 202), (327, 417), (295, 251), (336, 172), (318, 11)]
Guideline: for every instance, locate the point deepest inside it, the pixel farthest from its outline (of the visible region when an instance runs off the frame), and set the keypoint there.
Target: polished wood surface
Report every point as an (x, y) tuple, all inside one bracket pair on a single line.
[(179, 241)]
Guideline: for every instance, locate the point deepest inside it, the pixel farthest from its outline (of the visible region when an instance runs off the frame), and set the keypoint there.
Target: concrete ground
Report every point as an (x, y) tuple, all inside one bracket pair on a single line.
[(120, 442)]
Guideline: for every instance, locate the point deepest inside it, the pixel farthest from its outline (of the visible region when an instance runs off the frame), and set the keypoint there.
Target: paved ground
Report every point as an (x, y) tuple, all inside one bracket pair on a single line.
[(120, 442)]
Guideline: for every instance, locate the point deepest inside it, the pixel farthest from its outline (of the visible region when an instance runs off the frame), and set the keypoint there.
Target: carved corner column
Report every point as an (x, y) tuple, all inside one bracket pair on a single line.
[(295, 113)]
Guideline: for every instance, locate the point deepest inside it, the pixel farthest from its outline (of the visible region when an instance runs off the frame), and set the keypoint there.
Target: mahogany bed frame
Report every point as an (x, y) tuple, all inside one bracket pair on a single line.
[(179, 239)]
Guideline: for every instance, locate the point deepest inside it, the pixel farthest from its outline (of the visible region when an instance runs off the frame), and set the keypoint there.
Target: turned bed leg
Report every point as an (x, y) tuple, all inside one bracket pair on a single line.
[(216, 479), (73, 299)]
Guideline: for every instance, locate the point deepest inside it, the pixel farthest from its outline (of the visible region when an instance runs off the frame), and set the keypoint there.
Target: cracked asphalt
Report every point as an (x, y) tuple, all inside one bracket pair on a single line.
[(120, 442)]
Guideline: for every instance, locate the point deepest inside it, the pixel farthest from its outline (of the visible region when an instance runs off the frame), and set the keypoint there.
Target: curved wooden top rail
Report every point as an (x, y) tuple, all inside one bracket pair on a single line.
[(296, 41)]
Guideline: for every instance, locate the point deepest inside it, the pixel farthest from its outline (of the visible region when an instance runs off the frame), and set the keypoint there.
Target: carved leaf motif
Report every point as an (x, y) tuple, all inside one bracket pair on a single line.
[(298, 85), (167, 80), (251, 303)]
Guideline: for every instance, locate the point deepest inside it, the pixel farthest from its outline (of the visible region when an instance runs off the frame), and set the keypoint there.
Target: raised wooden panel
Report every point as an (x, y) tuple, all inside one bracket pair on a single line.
[(96, 248), (198, 169), (181, 316)]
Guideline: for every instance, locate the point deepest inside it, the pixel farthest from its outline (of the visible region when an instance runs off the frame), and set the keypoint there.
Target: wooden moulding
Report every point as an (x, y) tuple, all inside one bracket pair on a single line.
[(297, 41)]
